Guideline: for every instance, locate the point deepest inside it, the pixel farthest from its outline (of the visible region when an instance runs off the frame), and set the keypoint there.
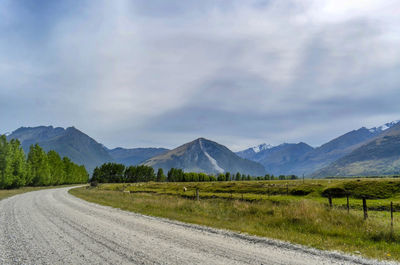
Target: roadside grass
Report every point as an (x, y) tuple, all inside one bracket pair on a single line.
[(303, 221), (8, 193), (379, 192)]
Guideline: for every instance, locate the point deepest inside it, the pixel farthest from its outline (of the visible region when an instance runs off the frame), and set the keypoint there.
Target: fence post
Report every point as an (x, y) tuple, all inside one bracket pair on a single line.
[(330, 201), (197, 194), (348, 204), (365, 208)]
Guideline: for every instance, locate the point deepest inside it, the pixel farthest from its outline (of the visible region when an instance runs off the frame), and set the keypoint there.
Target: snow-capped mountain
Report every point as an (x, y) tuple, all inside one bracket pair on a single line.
[(379, 156), (261, 147), (384, 127), (251, 152)]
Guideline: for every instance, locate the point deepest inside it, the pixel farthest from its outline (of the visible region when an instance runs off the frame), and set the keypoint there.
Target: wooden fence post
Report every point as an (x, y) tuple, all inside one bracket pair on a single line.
[(348, 204), (197, 194), (365, 208), (330, 201)]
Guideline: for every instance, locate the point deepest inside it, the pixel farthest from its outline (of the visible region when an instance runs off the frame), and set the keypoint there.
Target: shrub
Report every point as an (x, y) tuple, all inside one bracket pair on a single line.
[(94, 183), (301, 191), (337, 192)]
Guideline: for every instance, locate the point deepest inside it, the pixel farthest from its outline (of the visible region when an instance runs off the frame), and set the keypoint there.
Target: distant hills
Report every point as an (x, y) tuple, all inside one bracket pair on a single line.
[(379, 156), (327, 153), (279, 159), (134, 156), (374, 151), (330, 158), (202, 155)]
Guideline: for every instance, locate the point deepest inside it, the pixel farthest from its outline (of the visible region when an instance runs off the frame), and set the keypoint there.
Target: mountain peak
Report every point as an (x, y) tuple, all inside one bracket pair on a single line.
[(201, 139), (261, 147), (384, 127), (70, 142), (203, 155)]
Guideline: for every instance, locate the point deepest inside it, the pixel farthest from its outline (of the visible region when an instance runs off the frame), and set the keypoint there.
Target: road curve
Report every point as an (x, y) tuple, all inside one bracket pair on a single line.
[(54, 227)]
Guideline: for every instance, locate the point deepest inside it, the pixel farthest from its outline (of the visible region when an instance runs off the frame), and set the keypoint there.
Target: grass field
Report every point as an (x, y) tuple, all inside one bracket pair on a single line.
[(8, 193), (247, 207), (379, 192)]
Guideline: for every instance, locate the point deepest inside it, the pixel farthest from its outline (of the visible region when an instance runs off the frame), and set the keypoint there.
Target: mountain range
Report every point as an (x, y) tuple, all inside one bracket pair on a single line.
[(81, 148), (279, 159), (378, 156), (374, 151), (302, 159)]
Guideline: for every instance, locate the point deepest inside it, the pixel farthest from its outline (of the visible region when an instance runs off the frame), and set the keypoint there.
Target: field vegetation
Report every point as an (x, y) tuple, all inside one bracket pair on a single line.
[(290, 210)]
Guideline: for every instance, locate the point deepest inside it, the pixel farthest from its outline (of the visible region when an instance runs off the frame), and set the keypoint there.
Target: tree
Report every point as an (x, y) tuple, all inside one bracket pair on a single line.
[(18, 165), (39, 166), (56, 165), (38, 169), (176, 175), (221, 177), (160, 175), (5, 178), (238, 176)]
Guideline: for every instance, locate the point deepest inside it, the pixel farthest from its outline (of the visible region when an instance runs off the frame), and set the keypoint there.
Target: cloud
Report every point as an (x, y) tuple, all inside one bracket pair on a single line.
[(138, 73)]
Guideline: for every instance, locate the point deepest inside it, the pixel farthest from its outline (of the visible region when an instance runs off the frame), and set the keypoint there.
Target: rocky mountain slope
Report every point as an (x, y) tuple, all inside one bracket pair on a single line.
[(202, 155), (380, 156)]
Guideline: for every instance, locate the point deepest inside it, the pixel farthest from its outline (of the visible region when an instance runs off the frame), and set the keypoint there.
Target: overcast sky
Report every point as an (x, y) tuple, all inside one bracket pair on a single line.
[(162, 73)]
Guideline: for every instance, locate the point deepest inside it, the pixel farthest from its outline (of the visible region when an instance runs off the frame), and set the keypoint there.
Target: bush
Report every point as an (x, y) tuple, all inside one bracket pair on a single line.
[(94, 183), (336, 192), (301, 191)]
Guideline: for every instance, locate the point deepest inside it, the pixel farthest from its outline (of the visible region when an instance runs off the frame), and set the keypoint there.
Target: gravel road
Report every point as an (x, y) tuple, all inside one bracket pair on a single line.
[(54, 227)]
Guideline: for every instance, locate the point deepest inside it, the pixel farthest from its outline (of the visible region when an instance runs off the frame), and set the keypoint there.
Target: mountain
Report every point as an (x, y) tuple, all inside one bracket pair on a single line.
[(70, 142), (279, 159), (303, 159), (134, 156), (202, 155), (379, 156), (251, 153), (333, 150)]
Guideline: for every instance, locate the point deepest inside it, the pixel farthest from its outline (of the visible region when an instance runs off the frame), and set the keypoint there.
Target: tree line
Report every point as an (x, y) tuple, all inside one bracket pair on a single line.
[(38, 168), (118, 173)]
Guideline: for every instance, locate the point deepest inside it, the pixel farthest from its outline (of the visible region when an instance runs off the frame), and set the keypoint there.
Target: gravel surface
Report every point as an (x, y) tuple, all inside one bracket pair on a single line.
[(54, 227)]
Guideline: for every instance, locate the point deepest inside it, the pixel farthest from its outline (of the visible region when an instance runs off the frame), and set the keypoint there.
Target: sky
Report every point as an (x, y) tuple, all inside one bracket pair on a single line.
[(161, 73)]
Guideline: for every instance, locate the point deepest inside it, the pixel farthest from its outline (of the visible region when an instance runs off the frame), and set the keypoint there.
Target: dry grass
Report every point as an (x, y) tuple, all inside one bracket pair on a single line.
[(302, 221), (8, 193)]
